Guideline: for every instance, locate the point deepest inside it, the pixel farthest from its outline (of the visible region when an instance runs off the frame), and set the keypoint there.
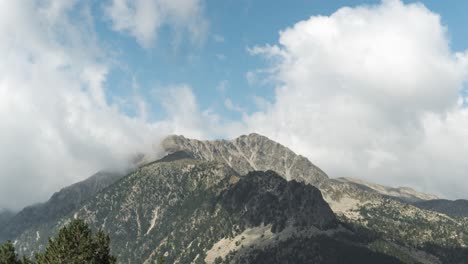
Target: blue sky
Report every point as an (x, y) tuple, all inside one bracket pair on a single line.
[(222, 57), (368, 89)]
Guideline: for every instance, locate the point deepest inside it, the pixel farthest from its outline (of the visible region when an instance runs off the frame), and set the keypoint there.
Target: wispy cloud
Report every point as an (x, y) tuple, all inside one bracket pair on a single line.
[(143, 19)]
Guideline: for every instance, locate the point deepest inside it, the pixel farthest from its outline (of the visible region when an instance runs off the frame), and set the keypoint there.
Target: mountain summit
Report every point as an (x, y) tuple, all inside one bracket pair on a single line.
[(251, 152), (246, 200), (182, 207)]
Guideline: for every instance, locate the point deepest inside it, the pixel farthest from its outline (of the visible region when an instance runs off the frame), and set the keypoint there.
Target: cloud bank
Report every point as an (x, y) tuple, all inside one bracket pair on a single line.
[(56, 124), (372, 92)]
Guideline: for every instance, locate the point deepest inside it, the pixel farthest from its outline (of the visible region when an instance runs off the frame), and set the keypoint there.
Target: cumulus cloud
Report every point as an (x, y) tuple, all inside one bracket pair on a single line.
[(142, 19), (57, 125), (185, 115), (371, 92)]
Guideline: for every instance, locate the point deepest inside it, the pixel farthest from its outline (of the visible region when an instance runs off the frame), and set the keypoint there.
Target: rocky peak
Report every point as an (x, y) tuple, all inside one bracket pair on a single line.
[(250, 153)]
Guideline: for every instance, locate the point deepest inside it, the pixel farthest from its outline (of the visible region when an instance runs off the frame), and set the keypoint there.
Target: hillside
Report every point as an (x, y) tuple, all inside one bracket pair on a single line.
[(404, 194), (60, 204), (397, 220), (196, 211), (457, 208), (206, 201)]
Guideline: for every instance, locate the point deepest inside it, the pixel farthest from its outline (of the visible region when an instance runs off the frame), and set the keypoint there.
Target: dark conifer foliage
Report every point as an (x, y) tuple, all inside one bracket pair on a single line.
[(76, 244), (8, 254)]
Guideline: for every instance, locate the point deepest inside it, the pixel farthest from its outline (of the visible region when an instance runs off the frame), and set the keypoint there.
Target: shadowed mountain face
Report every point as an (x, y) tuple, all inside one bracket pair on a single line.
[(59, 205), (5, 216), (317, 249), (265, 197), (457, 208)]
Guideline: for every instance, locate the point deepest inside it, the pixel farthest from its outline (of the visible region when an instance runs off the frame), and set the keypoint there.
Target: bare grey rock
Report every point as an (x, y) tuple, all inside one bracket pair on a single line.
[(251, 152)]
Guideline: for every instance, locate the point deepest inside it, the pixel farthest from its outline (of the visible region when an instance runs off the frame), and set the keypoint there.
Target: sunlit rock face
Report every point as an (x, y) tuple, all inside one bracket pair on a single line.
[(250, 153)]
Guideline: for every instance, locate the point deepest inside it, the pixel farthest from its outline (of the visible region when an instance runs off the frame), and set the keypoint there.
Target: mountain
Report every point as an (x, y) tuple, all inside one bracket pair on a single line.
[(249, 200), (457, 208), (315, 249), (250, 153), (5, 216), (405, 194), (399, 221), (60, 204), (194, 211)]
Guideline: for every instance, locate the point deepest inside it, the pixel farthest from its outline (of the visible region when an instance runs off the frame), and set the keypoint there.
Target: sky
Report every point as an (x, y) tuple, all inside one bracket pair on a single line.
[(367, 89)]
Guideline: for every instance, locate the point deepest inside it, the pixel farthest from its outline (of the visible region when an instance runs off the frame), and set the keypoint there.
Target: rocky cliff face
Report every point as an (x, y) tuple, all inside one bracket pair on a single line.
[(250, 153), (266, 198)]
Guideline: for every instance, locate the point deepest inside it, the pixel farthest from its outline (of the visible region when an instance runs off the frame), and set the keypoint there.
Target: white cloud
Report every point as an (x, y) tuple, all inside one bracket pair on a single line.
[(371, 92), (233, 107), (57, 125), (186, 117), (143, 19)]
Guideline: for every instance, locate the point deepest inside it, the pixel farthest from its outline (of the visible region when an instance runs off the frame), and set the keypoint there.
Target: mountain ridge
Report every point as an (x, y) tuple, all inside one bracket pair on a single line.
[(456, 208), (406, 194), (248, 153), (351, 203), (61, 203), (187, 184), (151, 208)]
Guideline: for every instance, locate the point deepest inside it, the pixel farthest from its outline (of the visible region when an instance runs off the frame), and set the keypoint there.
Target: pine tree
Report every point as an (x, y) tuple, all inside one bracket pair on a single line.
[(8, 254), (76, 244)]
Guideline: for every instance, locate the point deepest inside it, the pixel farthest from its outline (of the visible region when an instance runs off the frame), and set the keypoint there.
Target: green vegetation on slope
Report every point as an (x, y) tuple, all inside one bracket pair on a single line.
[(74, 244)]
